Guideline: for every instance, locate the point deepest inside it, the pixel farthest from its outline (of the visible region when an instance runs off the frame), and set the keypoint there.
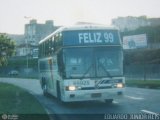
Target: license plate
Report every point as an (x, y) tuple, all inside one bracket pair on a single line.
[(84, 83), (96, 95)]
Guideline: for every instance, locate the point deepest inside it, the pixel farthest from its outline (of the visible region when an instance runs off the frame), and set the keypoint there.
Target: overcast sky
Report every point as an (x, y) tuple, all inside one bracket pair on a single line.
[(67, 12)]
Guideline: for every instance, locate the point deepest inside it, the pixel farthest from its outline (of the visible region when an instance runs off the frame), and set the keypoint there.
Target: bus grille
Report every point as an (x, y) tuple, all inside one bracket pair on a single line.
[(93, 88)]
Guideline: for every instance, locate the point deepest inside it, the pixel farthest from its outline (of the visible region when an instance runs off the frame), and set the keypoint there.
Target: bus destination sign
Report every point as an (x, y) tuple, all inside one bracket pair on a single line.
[(92, 37)]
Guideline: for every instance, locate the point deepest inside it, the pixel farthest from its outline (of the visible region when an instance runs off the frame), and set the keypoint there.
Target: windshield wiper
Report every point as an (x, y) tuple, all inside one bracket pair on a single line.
[(108, 73), (87, 71)]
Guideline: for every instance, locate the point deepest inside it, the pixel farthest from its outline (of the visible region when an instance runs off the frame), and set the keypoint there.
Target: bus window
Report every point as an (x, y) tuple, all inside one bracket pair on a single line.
[(89, 62), (77, 63), (108, 62), (43, 49)]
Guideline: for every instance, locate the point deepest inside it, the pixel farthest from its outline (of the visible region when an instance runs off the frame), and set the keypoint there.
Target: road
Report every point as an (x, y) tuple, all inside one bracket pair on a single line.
[(136, 101)]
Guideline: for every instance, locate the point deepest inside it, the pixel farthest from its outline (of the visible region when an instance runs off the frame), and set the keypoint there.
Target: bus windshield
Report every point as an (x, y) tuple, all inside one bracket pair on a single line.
[(93, 62)]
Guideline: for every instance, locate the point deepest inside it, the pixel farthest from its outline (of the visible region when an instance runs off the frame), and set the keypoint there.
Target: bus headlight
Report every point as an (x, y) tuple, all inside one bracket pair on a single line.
[(119, 85), (71, 88)]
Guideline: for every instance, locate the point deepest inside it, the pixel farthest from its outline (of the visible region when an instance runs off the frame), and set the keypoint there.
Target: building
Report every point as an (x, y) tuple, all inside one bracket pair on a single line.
[(34, 32), (27, 43), (154, 21), (23, 50), (18, 39), (130, 23)]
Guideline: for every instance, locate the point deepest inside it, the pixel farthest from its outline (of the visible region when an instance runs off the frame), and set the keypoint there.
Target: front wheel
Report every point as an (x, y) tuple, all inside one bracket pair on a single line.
[(44, 88)]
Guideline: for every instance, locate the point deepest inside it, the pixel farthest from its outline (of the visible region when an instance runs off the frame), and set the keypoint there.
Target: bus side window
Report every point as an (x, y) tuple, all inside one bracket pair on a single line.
[(57, 41), (52, 46), (47, 48), (40, 51)]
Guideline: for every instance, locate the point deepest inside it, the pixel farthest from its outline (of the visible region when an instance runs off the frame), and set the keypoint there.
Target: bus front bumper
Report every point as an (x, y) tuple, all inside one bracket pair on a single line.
[(98, 94)]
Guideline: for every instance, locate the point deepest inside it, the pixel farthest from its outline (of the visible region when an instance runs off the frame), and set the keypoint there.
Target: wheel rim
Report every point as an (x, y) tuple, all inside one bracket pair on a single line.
[(44, 88)]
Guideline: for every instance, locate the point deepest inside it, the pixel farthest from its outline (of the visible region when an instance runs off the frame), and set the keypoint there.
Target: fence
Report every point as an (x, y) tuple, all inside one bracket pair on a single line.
[(142, 72)]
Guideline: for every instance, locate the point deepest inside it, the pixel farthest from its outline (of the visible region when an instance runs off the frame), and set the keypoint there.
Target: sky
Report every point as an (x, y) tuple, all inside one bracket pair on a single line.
[(14, 14)]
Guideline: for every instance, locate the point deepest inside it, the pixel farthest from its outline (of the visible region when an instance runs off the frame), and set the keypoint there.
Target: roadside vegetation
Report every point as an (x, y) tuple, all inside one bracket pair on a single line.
[(14, 100), (153, 84), (143, 60), (141, 56), (7, 47)]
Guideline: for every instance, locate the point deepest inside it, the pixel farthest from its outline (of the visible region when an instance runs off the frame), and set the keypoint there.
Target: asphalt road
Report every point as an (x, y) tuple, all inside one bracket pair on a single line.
[(137, 104)]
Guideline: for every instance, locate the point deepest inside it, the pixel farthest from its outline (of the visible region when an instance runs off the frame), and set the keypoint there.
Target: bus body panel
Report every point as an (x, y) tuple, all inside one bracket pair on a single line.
[(50, 74)]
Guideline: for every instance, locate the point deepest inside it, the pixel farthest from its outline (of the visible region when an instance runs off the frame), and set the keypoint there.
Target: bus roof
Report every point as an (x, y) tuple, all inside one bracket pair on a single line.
[(80, 27), (88, 27)]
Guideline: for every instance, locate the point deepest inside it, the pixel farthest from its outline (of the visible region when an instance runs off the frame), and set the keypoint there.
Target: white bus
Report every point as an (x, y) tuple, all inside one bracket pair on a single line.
[(81, 63)]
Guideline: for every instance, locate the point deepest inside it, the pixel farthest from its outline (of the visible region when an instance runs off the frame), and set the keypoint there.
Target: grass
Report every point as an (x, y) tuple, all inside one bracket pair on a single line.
[(154, 84), (14, 100)]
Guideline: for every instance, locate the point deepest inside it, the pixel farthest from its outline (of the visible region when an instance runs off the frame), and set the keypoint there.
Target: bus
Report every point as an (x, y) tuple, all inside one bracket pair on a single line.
[(82, 63)]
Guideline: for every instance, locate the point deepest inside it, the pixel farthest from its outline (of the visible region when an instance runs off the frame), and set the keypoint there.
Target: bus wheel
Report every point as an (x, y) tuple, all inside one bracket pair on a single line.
[(44, 88), (108, 101)]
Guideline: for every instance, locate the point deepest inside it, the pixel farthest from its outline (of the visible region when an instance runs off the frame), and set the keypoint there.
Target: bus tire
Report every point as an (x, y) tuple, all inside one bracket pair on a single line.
[(109, 101), (44, 87)]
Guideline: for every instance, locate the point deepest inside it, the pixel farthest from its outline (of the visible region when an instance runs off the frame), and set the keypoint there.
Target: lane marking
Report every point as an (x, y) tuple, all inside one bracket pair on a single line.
[(150, 112), (135, 98)]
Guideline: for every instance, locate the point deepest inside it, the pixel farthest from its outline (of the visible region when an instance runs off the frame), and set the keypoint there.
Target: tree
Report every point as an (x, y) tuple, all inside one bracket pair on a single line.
[(7, 47)]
